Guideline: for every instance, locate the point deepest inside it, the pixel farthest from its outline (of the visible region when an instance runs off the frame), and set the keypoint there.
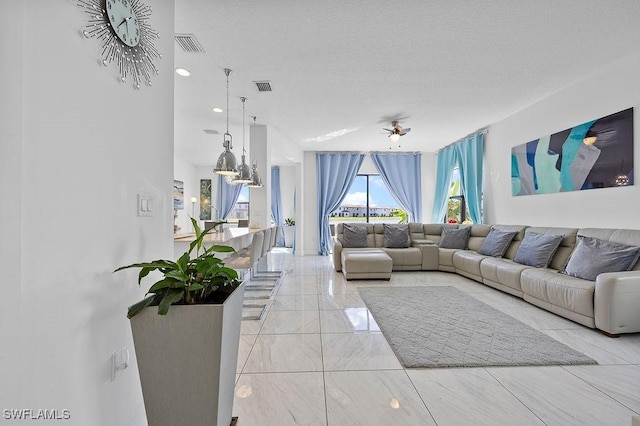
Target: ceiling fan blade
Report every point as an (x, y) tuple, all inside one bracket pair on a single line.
[(405, 131), (388, 130)]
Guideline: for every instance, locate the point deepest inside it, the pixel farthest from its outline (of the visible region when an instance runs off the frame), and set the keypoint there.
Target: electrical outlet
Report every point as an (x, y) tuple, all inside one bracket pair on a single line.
[(119, 363)]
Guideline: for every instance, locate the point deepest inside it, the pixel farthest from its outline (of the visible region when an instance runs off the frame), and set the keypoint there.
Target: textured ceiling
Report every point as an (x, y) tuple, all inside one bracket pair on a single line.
[(444, 68)]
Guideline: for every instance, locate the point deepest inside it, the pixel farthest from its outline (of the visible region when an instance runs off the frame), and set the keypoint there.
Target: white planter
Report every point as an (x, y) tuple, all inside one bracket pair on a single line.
[(187, 361), (289, 235)]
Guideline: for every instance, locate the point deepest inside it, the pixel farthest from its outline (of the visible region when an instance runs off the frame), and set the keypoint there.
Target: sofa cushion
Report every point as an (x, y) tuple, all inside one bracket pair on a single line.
[(354, 235), (502, 271), (396, 236), (537, 249), (496, 243), (593, 257), (455, 238), (405, 256), (569, 293), (468, 262)]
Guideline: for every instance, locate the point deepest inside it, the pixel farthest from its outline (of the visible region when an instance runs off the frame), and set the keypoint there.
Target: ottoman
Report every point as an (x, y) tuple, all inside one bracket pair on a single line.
[(366, 264)]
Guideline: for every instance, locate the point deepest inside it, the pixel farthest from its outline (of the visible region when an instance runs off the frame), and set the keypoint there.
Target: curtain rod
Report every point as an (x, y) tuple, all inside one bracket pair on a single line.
[(482, 130)]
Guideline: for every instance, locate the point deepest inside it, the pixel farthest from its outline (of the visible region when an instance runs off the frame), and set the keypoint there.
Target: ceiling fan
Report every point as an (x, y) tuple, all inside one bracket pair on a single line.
[(396, 131)]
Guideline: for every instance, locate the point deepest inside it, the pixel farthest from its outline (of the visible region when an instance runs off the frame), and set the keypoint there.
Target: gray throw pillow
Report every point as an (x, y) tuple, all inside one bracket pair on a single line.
[(593, 256), (354, 235), (455, 238), (396, 236), (496, 243), (537, 249)]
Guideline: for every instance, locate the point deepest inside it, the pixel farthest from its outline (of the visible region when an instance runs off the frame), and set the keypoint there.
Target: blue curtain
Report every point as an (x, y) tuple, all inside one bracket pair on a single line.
[(470, 154), (445, 165), (276, 204), (226, 197), (402, 175), (336, 173)]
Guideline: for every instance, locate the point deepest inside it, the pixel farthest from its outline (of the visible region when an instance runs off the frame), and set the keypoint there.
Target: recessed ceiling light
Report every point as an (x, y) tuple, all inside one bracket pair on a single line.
[(183, 72), (216, 109)]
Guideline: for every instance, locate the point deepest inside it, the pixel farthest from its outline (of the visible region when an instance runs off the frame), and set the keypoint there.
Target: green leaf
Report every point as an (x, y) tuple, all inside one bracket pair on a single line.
[(220, 249), (194, 287), (177, 275), (138, 307), (164, 283), (172, 296), (196, 227), (156, 264), (231, 273), (184, 261)]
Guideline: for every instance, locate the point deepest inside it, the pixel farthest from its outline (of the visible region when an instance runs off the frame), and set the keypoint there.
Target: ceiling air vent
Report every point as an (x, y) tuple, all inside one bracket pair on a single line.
[(263, 86), (211, 132), (189, 43)]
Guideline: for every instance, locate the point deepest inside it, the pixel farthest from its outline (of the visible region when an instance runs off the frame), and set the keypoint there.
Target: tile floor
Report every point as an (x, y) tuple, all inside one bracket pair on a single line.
[(318, 358)]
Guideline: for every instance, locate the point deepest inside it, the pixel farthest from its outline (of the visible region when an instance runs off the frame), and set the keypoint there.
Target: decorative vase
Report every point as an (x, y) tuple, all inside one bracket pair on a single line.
[(289, 235), (187, 361)]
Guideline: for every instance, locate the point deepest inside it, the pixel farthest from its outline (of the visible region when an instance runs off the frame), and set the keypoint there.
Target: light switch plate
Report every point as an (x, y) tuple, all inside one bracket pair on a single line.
[(145, 205)]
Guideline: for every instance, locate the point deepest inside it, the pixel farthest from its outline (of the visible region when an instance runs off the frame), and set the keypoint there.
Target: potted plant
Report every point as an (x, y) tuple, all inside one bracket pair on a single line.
[(289, 229), (187, 351)]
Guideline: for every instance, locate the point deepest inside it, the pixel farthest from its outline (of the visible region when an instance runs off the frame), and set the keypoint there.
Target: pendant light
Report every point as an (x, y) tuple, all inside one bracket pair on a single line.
[(226, 164), (256, 182), (244, 175)]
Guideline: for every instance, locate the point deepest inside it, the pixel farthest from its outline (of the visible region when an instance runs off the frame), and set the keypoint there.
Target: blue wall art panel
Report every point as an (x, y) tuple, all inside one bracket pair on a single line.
[(595, 154), (178, 195)]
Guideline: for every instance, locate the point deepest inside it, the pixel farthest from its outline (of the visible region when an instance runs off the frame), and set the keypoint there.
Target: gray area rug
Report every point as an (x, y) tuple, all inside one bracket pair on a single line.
[(434, 327)]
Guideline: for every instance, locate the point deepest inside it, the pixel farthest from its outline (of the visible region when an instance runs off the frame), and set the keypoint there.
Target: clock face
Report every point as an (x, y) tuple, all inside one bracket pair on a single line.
[(123, 21), (126, 37)]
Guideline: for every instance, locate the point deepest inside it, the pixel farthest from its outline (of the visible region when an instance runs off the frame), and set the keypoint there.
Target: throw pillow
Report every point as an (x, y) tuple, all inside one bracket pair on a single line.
[(496, 243), (455, 238), (396, 236), (593, 256), (537, 249), (354, 235)]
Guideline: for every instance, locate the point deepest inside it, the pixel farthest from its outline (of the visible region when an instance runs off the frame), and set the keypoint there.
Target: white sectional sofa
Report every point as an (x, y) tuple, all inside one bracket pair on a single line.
[(610, 303)]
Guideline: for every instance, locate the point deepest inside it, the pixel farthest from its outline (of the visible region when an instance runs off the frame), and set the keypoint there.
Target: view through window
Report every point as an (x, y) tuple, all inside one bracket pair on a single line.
[(241, 209), (368, 200), (457, 211)]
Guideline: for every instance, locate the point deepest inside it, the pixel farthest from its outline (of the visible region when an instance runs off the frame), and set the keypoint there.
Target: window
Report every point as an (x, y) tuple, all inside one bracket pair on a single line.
[(368, 200), (241, 209), (457, 211)]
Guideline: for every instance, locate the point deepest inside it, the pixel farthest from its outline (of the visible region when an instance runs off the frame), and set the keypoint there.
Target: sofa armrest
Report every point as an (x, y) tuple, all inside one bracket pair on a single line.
[(429, 254), (337, 252), (416, 243), (616, 302)]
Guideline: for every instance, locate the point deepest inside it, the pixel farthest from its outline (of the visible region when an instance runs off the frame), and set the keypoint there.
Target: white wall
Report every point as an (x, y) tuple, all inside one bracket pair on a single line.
[(77, 149), (612, 88), (11, 223), (287, 190), (186, 172)]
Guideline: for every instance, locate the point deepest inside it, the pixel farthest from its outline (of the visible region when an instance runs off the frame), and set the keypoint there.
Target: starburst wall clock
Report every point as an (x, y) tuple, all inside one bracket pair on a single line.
[(126, 38)]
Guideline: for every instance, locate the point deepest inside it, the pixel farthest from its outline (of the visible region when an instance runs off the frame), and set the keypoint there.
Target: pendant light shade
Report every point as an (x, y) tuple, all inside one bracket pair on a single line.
[(256, 182), (227, 163), (244, 175)]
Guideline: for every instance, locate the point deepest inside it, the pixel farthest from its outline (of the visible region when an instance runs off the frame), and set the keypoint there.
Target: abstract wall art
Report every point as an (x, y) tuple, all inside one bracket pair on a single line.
[(595, 154), (205, 199), (178, 195)]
